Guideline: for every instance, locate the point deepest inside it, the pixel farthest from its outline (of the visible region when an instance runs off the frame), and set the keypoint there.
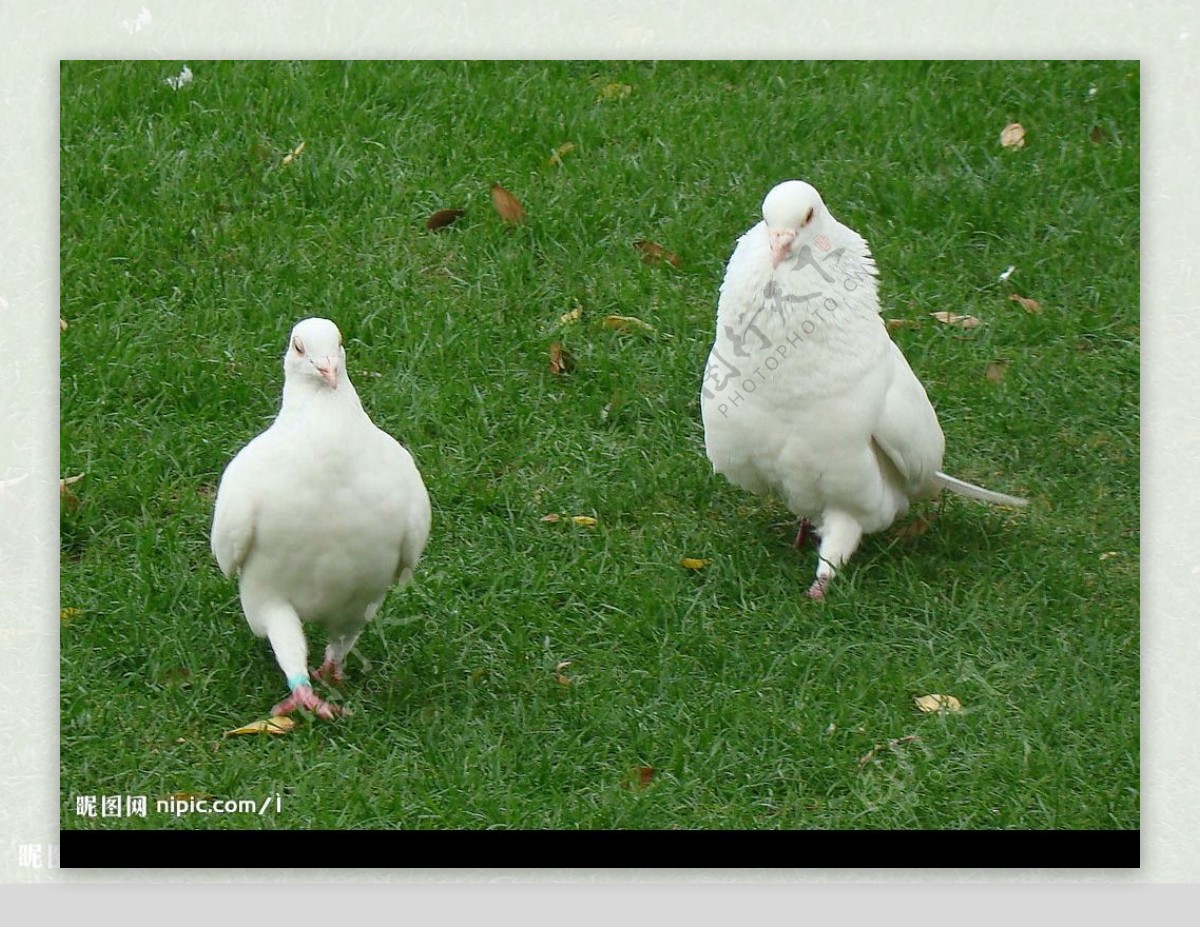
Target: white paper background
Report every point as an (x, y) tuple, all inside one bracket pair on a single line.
[(1164, 37)]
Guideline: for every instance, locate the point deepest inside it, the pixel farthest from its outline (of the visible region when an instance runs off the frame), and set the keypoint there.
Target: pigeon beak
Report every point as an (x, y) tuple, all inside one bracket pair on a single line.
[(328, 369), (781, 241)]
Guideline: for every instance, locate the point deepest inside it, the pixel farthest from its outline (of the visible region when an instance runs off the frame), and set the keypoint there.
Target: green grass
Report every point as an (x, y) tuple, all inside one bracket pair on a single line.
[(189, 250)]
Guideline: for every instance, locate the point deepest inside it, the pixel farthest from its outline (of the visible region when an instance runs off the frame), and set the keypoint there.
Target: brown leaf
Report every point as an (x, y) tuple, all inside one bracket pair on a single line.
[(443, 218), (1030, 306), (995, 370), (562, 665), (654, 253), (915, 528), (1013, 135), (896, 324), (508, 206), (935, 702), (640, 777), (963, 322), (695, 563), (551, 517), (275, 725), (561, 360), (1097, 135), (628, 324), (562, 679)]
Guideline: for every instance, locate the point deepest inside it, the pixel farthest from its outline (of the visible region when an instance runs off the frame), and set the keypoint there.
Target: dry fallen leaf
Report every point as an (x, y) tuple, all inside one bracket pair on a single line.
[(583, 520), (508, 206), (1104, 556), (627, 324), (642, 776), (293, 154), (895, 324), (561, 360), (1013, 135), (935, 702), (570, 317), (695, 563), (71, 612), (1097, 134), (915, 528), (443, 218), (891, 746), (614, 91), (963, 322), (562, 665), (556, 156), (551, 517), (62, 324), (995, 370), (654, 253), (275, 725), (66, 496), (1030, 306)]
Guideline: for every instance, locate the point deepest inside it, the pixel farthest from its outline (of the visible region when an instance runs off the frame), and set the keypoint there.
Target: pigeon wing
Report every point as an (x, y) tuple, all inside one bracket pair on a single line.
[(908, 431)]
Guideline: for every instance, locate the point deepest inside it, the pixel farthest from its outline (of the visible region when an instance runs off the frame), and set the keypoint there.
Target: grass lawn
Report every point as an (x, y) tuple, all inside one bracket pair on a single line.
[(712, 698)]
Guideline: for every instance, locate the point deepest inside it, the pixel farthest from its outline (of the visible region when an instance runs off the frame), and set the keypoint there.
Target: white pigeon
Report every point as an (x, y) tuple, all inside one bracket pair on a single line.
[(318, 516), (806, 395)]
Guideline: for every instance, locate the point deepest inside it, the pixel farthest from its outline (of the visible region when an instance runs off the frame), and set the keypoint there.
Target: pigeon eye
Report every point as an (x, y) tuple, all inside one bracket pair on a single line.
[(298, 346), (807, 217)]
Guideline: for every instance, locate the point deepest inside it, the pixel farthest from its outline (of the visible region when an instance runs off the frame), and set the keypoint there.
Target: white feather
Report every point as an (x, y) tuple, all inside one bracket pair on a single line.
[(321, 513), (805, 394)]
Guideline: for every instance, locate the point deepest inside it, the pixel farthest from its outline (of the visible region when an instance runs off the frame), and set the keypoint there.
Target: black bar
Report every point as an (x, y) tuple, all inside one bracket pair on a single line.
[(933, 850)]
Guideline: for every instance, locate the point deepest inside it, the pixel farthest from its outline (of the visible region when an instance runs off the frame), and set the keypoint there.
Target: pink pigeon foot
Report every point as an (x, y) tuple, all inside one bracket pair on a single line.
[(802, 533), (330, 672), (304, 698), (817, 590)]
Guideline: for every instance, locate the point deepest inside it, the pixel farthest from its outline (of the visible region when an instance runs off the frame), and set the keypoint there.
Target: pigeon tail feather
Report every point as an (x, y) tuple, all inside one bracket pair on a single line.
[(963, 488)]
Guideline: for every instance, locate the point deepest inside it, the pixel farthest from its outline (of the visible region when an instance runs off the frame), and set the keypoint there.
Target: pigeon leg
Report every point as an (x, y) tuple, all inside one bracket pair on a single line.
[(303, 697), (840, 535), (802, 532), (286, 635), (333, 670)]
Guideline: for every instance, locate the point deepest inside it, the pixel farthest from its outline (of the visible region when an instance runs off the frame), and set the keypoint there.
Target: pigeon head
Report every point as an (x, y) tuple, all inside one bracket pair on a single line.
[(793, 211), (315, 354)]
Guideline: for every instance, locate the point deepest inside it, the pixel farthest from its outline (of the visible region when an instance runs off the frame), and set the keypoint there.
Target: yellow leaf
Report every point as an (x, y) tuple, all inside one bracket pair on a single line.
[(935, 702), (293, 154), (1030, 306), (963, 322), (1013, 135), (695, 563), (583, 520), (573, 316), (66, 615), (62, 324), (614, 91), (627, 324), (275, 725), (508, 206), (556, 156)]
